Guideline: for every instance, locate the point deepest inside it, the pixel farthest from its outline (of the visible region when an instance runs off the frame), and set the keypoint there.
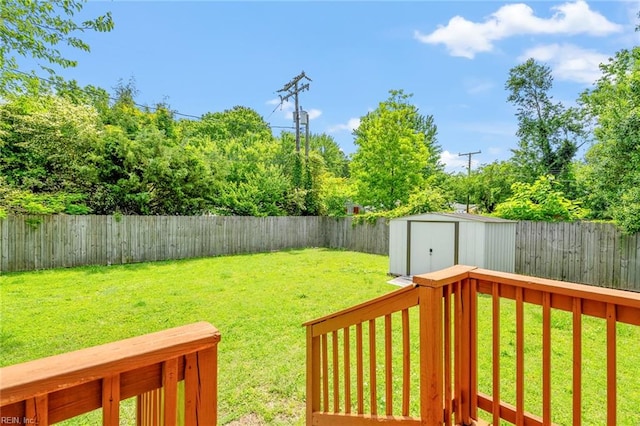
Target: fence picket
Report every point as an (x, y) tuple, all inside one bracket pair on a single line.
[(583, 252)]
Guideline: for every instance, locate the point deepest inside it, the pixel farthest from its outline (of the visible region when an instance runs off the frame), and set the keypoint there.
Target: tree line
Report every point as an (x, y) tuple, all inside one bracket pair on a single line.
[(543, 180), (66, 149), (78, 150)]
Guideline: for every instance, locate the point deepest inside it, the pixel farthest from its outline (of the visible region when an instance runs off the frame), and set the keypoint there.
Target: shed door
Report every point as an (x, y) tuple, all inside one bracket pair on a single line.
[(432, 246)]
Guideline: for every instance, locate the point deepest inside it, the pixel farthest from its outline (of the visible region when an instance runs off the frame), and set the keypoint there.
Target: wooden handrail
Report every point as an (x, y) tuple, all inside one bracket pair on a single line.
[(376, 308), (63, 386), (362, 307), (627, 302), (608, 295), (447, 304)]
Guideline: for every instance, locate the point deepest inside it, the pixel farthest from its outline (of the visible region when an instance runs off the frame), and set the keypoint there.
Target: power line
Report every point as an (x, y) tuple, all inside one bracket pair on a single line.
[(274, 110), (59, 84)]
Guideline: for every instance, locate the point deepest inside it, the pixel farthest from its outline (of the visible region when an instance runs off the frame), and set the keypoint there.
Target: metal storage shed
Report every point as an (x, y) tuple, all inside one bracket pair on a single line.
[(432, 241)]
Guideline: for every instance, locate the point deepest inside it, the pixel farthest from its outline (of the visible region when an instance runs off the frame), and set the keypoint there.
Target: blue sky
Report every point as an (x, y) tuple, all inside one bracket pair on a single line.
[(454, 57)]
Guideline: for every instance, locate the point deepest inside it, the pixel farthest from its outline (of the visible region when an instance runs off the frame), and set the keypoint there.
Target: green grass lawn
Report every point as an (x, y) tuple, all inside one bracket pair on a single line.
[(259, 302)]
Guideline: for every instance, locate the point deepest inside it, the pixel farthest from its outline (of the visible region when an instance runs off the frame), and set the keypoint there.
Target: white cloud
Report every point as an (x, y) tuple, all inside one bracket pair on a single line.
[(456, 163), (287, 108), (466, 38), (568, 62), (314, 113), (350, 126)]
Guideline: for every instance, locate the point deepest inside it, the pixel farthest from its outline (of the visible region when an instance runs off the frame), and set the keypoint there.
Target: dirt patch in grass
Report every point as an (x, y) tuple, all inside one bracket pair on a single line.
[(248, 420)]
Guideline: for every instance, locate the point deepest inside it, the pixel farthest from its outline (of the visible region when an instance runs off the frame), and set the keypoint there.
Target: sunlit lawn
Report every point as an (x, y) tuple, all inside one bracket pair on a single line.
[(259, 302)]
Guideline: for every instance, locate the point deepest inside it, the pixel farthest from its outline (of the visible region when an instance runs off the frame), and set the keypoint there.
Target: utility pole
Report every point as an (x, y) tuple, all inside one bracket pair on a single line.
[(292, 88), (469, 154), (306, 133)]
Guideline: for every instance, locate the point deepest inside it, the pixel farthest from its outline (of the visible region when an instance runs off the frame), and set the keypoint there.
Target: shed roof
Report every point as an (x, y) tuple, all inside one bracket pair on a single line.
[(458, 217)]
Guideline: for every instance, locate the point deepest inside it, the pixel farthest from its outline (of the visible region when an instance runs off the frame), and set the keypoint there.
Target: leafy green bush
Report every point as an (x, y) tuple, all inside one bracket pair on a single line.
[(542, 201), (430, 199), (17, 201), (335, 192), (626, 214)]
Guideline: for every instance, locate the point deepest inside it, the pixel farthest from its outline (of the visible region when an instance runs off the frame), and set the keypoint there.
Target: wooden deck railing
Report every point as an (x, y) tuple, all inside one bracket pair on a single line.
[(439, 361), (56, 388)]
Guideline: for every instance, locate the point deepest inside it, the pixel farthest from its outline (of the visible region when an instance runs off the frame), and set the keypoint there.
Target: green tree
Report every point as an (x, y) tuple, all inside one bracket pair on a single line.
[(89, 95), (47, 143), (611, 174), (490, 185), (549, 133), (124, 113), (263, 192), (432, 197), (35, 29), (542, 200), (335, 160), (395, 153), (152, 174), (309, 173), (334, 194), (255, 179)]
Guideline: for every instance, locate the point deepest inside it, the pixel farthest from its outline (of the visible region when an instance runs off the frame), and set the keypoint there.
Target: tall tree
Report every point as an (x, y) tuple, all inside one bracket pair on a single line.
[(549, 133), (395, 153), (335, 160), (612, 171), (488, 186), (255, 181), (35, 29)]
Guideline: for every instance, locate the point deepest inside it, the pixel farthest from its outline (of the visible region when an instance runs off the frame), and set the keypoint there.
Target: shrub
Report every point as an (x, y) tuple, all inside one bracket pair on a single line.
[(542, 201)]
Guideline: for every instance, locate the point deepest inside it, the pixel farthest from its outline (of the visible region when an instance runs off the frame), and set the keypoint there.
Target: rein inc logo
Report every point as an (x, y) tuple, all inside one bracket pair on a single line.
[(16, 420)]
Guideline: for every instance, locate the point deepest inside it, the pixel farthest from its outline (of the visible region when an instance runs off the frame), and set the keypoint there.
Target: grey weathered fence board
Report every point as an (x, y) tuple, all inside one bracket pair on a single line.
[(582, 252), (590, 253), (65, 241)]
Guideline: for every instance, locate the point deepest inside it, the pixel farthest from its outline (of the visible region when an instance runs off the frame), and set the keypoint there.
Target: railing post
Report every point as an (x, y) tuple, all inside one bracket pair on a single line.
[(431, 356), (111, 400), (200, 387), (313, 374), (37, 410), (432, 369), (170, 391), (464, 349)]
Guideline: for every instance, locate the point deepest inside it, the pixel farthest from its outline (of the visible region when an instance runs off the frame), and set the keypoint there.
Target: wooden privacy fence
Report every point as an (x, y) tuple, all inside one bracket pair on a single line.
[(29, 243), (582, 252), (589, 253), (149, 367), (428, 374)]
